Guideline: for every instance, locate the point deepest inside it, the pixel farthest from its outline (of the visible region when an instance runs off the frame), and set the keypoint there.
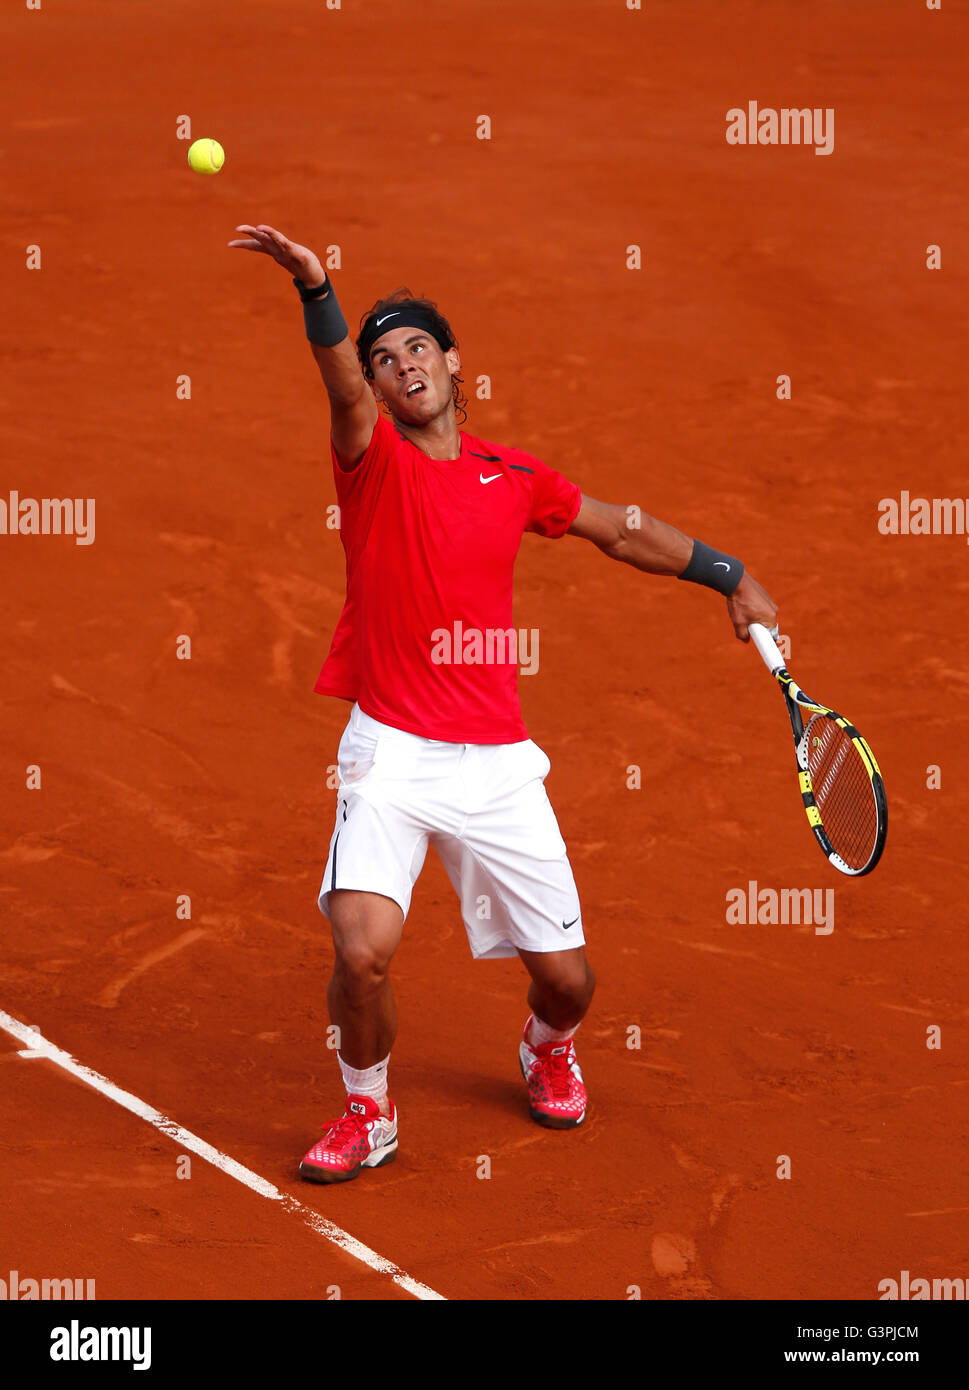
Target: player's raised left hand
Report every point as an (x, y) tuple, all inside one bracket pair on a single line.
[(750, 603), (297, 260)]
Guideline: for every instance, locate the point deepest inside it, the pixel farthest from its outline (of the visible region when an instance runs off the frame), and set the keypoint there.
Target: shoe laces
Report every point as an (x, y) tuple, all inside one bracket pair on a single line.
[(338, 1132), (558, 1072)]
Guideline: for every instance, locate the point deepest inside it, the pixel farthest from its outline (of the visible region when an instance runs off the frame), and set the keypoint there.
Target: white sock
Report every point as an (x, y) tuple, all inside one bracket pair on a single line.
[(372, 1081), (540, 1033)]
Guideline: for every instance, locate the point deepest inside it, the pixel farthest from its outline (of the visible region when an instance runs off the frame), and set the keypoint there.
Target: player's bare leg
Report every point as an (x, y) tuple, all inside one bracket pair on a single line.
[(366, 933), (562, 986), (366, 929), (560, 993)]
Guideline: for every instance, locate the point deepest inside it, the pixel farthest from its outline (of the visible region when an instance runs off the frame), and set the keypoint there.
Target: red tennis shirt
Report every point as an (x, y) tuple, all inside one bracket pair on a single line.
[(425, 641)]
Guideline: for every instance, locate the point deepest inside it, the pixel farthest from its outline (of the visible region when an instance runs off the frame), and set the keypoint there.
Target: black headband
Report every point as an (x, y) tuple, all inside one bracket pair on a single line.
[(379, 324)]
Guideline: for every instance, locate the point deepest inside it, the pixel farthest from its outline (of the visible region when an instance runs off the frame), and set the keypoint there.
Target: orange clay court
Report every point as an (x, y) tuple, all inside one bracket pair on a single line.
[(656, 386)]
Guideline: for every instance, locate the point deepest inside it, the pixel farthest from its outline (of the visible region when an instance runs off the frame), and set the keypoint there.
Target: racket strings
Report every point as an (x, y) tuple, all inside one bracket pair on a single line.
[(842, 791)]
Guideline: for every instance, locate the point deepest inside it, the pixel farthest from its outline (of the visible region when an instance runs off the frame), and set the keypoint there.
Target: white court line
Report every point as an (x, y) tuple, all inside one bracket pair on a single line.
[(40, 1047)]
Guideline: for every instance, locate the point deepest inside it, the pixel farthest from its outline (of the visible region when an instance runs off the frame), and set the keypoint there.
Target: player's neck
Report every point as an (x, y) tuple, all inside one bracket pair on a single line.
[(439, 439)]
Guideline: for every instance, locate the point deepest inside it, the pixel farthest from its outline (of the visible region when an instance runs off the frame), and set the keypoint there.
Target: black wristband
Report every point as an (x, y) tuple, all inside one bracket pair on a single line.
[(713, 569), (305, 293), (322, 317)]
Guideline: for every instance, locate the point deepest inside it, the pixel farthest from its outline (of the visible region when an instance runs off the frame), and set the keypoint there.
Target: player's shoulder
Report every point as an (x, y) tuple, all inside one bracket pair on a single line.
[(379, 449), (387, 434)]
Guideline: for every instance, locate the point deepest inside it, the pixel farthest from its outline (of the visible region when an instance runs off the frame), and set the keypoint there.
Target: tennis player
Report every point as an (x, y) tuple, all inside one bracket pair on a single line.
[(435, 751)]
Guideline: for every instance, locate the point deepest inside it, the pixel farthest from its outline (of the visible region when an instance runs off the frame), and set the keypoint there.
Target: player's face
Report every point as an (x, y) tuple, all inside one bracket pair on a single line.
[(411, 374)]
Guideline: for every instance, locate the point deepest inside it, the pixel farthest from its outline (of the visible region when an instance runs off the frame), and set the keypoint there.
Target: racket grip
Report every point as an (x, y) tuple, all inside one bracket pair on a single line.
[(767, 647)]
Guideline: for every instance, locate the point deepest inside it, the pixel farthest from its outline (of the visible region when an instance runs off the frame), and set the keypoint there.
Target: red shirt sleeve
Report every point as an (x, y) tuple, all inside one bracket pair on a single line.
[(379, 445), (555, 501)]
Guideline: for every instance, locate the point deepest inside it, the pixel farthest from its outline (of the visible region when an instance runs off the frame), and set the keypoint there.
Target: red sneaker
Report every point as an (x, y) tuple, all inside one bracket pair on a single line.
[(556, 1094), (362, 1138)]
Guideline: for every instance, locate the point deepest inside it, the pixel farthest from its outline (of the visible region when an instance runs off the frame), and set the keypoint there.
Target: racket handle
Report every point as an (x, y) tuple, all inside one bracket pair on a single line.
[(767, 647)]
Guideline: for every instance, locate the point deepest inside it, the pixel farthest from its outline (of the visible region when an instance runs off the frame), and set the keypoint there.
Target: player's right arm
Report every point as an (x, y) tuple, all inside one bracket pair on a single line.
[(353, 410), (655, 547)]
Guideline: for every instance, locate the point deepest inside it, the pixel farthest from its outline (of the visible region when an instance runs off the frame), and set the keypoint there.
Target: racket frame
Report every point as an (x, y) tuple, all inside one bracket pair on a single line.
[(795, 701)]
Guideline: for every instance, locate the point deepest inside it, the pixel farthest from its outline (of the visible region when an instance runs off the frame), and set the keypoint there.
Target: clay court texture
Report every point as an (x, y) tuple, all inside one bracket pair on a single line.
[(165, 816)]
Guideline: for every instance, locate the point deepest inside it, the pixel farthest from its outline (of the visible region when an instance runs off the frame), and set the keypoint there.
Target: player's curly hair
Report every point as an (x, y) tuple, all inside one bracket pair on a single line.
[(442, 331)]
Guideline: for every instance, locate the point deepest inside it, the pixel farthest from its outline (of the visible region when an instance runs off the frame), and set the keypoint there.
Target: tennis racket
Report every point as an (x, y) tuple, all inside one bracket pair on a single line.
[(841, 785)]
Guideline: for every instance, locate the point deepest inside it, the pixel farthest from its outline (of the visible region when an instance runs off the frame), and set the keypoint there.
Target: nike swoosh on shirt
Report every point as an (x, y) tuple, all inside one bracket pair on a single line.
[(394, 315), (566, 925), (489, 480)]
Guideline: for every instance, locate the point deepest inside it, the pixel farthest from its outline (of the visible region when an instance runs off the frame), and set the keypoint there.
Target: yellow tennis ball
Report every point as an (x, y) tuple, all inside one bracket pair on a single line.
[(206, 156)]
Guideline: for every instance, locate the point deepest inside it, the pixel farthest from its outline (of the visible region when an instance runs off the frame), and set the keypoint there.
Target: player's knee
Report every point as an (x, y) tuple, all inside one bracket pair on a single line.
[(366, 932), (570, 985), (582, 986), (361, 966)]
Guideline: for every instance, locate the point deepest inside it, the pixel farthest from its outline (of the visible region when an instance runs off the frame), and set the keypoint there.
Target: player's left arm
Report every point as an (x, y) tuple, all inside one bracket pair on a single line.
[(653, 546)]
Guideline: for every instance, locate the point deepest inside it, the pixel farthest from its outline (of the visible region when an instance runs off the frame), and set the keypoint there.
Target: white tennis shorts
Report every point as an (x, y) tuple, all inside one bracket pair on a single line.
[(485, 810)]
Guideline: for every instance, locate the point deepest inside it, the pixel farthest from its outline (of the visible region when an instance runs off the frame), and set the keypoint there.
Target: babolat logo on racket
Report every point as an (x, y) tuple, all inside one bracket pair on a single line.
[(840, 781)]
